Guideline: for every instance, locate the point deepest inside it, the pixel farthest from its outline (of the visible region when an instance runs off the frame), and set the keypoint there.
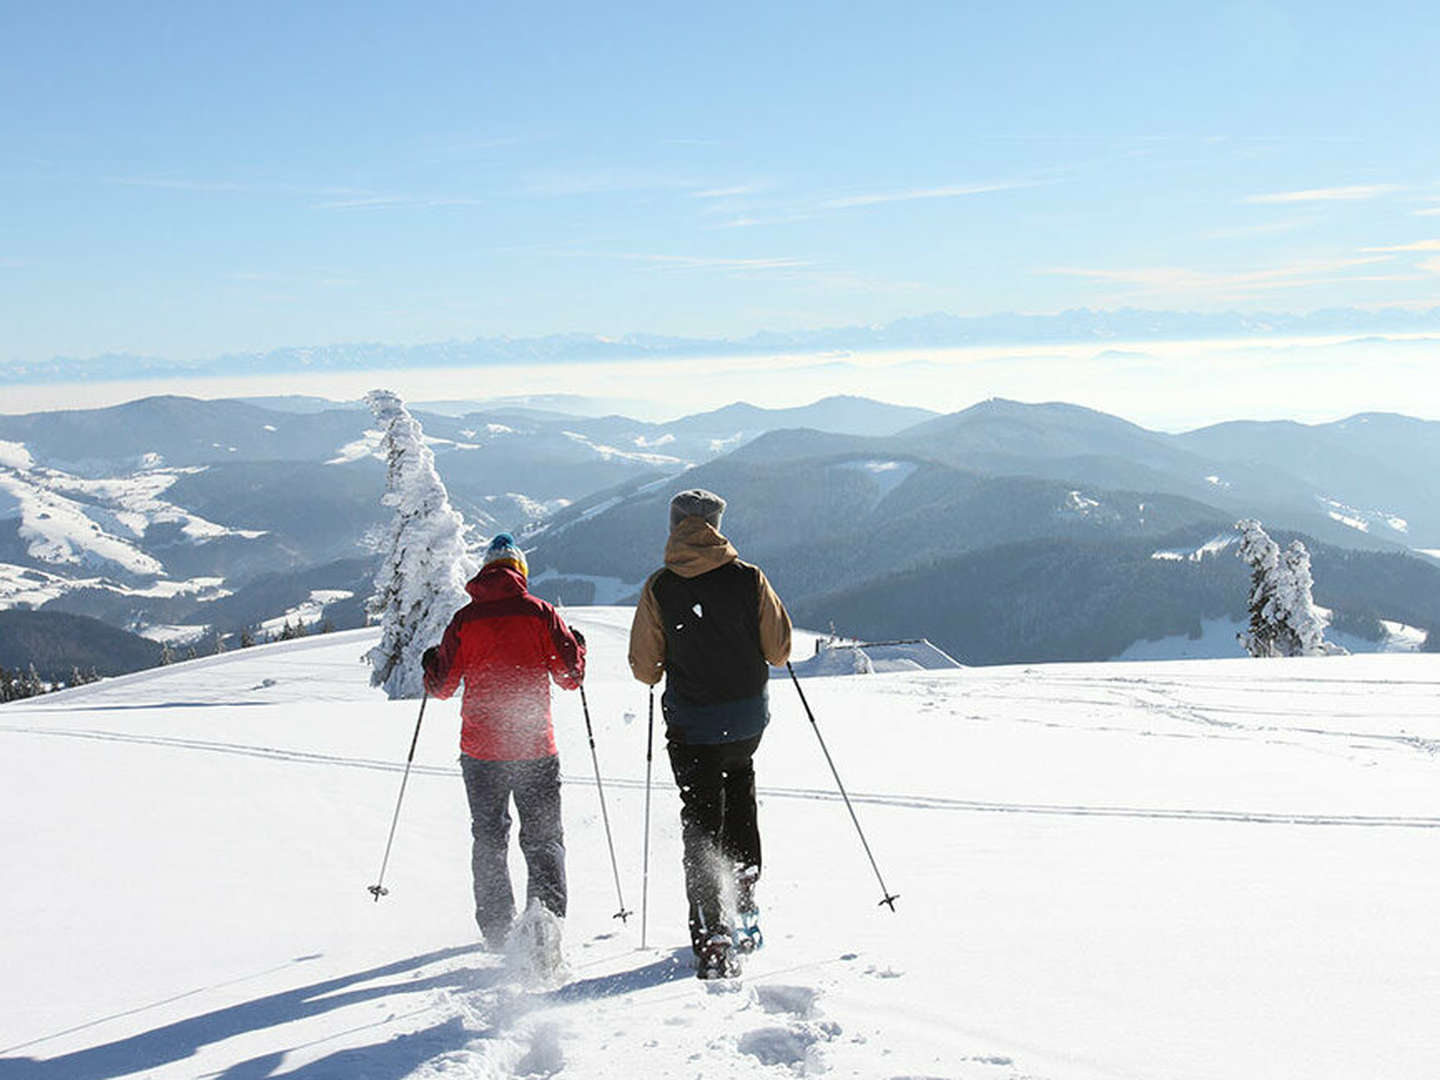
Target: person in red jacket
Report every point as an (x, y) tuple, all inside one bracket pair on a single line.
[(507, 646)]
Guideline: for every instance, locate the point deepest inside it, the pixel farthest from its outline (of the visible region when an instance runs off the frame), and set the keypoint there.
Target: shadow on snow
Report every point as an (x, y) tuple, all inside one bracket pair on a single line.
[(395, 1057), (181, 1039)]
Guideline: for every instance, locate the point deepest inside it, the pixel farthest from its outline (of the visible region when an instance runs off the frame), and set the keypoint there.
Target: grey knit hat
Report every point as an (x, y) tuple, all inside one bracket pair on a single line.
[(696, 502)]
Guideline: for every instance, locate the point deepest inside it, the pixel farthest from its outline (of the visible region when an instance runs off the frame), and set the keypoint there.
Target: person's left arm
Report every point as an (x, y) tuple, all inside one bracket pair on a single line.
[(774, 623), (567, 654)]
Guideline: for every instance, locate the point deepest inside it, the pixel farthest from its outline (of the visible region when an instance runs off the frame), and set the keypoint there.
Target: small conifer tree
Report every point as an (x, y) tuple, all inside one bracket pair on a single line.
[(423, 567), (1283, 617)]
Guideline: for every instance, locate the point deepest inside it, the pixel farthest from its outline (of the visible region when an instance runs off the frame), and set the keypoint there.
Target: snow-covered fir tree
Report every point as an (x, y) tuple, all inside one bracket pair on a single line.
[(1303, 628), (1283, 618), (1262, 555), (424, 567)]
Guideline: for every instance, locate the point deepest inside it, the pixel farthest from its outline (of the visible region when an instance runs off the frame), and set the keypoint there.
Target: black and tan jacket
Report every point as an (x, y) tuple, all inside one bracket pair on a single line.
[(712, 625)]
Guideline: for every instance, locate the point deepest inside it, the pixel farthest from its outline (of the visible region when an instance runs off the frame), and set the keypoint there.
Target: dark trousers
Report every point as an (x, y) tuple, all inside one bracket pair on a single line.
[(535, 786), (719, 826)]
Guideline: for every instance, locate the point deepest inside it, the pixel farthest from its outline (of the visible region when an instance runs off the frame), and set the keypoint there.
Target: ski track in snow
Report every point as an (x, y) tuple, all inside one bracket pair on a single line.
[(1129, 927), (902, 801)]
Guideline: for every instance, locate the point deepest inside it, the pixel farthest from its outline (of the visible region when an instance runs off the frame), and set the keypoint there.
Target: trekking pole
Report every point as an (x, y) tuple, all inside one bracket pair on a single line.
[(623, 914), (889, 897), (378, 889), (645, 876)]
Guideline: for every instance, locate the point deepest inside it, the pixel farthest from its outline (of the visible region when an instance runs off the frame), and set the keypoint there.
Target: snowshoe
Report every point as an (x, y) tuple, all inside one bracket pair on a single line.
[(746, 936), (534, 949), (717, 959)]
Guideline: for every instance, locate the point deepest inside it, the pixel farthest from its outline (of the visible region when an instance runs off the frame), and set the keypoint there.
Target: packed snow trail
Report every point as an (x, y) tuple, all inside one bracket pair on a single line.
[(1179, 870)]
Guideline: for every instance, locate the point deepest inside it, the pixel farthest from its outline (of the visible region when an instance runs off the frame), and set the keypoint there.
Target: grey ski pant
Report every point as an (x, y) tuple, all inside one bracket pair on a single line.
[(535, 786)]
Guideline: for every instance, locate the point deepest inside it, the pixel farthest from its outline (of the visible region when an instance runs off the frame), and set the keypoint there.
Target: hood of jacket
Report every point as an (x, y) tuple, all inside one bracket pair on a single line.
[(495, 582), (696, 547)]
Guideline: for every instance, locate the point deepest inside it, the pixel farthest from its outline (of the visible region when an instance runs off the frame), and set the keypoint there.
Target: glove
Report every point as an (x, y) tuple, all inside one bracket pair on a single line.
[(429, 659), (578, 636)]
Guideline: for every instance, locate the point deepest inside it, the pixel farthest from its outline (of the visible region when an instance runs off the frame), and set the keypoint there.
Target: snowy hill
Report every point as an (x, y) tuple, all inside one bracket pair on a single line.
[(1187, 871)]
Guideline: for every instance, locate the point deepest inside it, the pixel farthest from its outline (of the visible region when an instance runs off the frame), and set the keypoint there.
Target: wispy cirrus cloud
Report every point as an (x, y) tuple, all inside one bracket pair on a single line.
[(750, 221), (332, 198), (1353, 193), (1190, 282), (234, 187), (398, 202), (949, 191), (700, 262), (735, 192), (1418, 245), (605, 181), (1267, 228)]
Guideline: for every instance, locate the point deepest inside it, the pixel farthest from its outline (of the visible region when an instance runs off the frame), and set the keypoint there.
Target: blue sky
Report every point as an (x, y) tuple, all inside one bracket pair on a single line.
[(186, 180)]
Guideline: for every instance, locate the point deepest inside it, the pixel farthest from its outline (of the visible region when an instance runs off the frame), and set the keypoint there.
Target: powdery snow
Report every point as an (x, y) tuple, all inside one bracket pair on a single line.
[(56, 529), (33, 587), (612, 453), (181, 634), (367, 446), (1195, 871), (1364, 520), (311, 612), (13, 455), (135, 502), (1213, 546)]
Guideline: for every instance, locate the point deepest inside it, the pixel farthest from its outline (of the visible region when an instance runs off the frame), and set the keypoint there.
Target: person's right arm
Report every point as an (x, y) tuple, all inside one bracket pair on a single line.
[(442, 677), (647, 638)]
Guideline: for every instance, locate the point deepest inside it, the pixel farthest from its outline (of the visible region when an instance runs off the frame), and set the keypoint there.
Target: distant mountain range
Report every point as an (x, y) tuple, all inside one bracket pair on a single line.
[(1004, 532), (1078, 532), (924, 331)]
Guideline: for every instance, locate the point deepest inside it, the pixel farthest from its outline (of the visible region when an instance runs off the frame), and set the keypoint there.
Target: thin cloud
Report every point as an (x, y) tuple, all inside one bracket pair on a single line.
[(701, 262), (727, 192), (1354, 193), (369, 202), (953, 191), (1268, 228), (1176, 279), (233, 187), (603, 182), (745, 221), (1433, 211), (398, 202), (1419, 245)]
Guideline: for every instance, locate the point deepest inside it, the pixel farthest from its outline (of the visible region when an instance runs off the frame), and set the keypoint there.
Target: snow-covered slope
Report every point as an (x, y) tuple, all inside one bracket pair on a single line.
[(1185, 871)]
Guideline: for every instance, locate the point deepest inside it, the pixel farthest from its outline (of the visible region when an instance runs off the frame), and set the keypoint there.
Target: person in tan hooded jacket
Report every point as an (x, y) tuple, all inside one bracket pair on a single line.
[(712, 625)]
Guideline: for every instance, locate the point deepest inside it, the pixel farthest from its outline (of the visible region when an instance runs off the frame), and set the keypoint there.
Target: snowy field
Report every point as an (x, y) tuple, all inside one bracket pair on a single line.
[(1157, 871)]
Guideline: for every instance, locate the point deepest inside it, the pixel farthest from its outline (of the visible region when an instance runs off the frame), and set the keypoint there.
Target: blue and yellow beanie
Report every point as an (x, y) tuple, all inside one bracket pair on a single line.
[(503, 551)]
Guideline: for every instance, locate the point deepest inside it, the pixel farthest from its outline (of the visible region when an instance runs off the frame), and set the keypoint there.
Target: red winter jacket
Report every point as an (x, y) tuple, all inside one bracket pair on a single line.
[(507, 645)]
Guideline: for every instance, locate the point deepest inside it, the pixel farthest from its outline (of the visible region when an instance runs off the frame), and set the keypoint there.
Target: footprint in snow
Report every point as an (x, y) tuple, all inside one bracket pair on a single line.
[(797, 1046), (798, 1001), (545, 1057)]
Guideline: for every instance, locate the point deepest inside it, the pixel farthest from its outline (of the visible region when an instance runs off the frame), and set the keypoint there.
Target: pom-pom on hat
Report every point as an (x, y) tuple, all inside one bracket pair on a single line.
[(503, 551), (697, 502)]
